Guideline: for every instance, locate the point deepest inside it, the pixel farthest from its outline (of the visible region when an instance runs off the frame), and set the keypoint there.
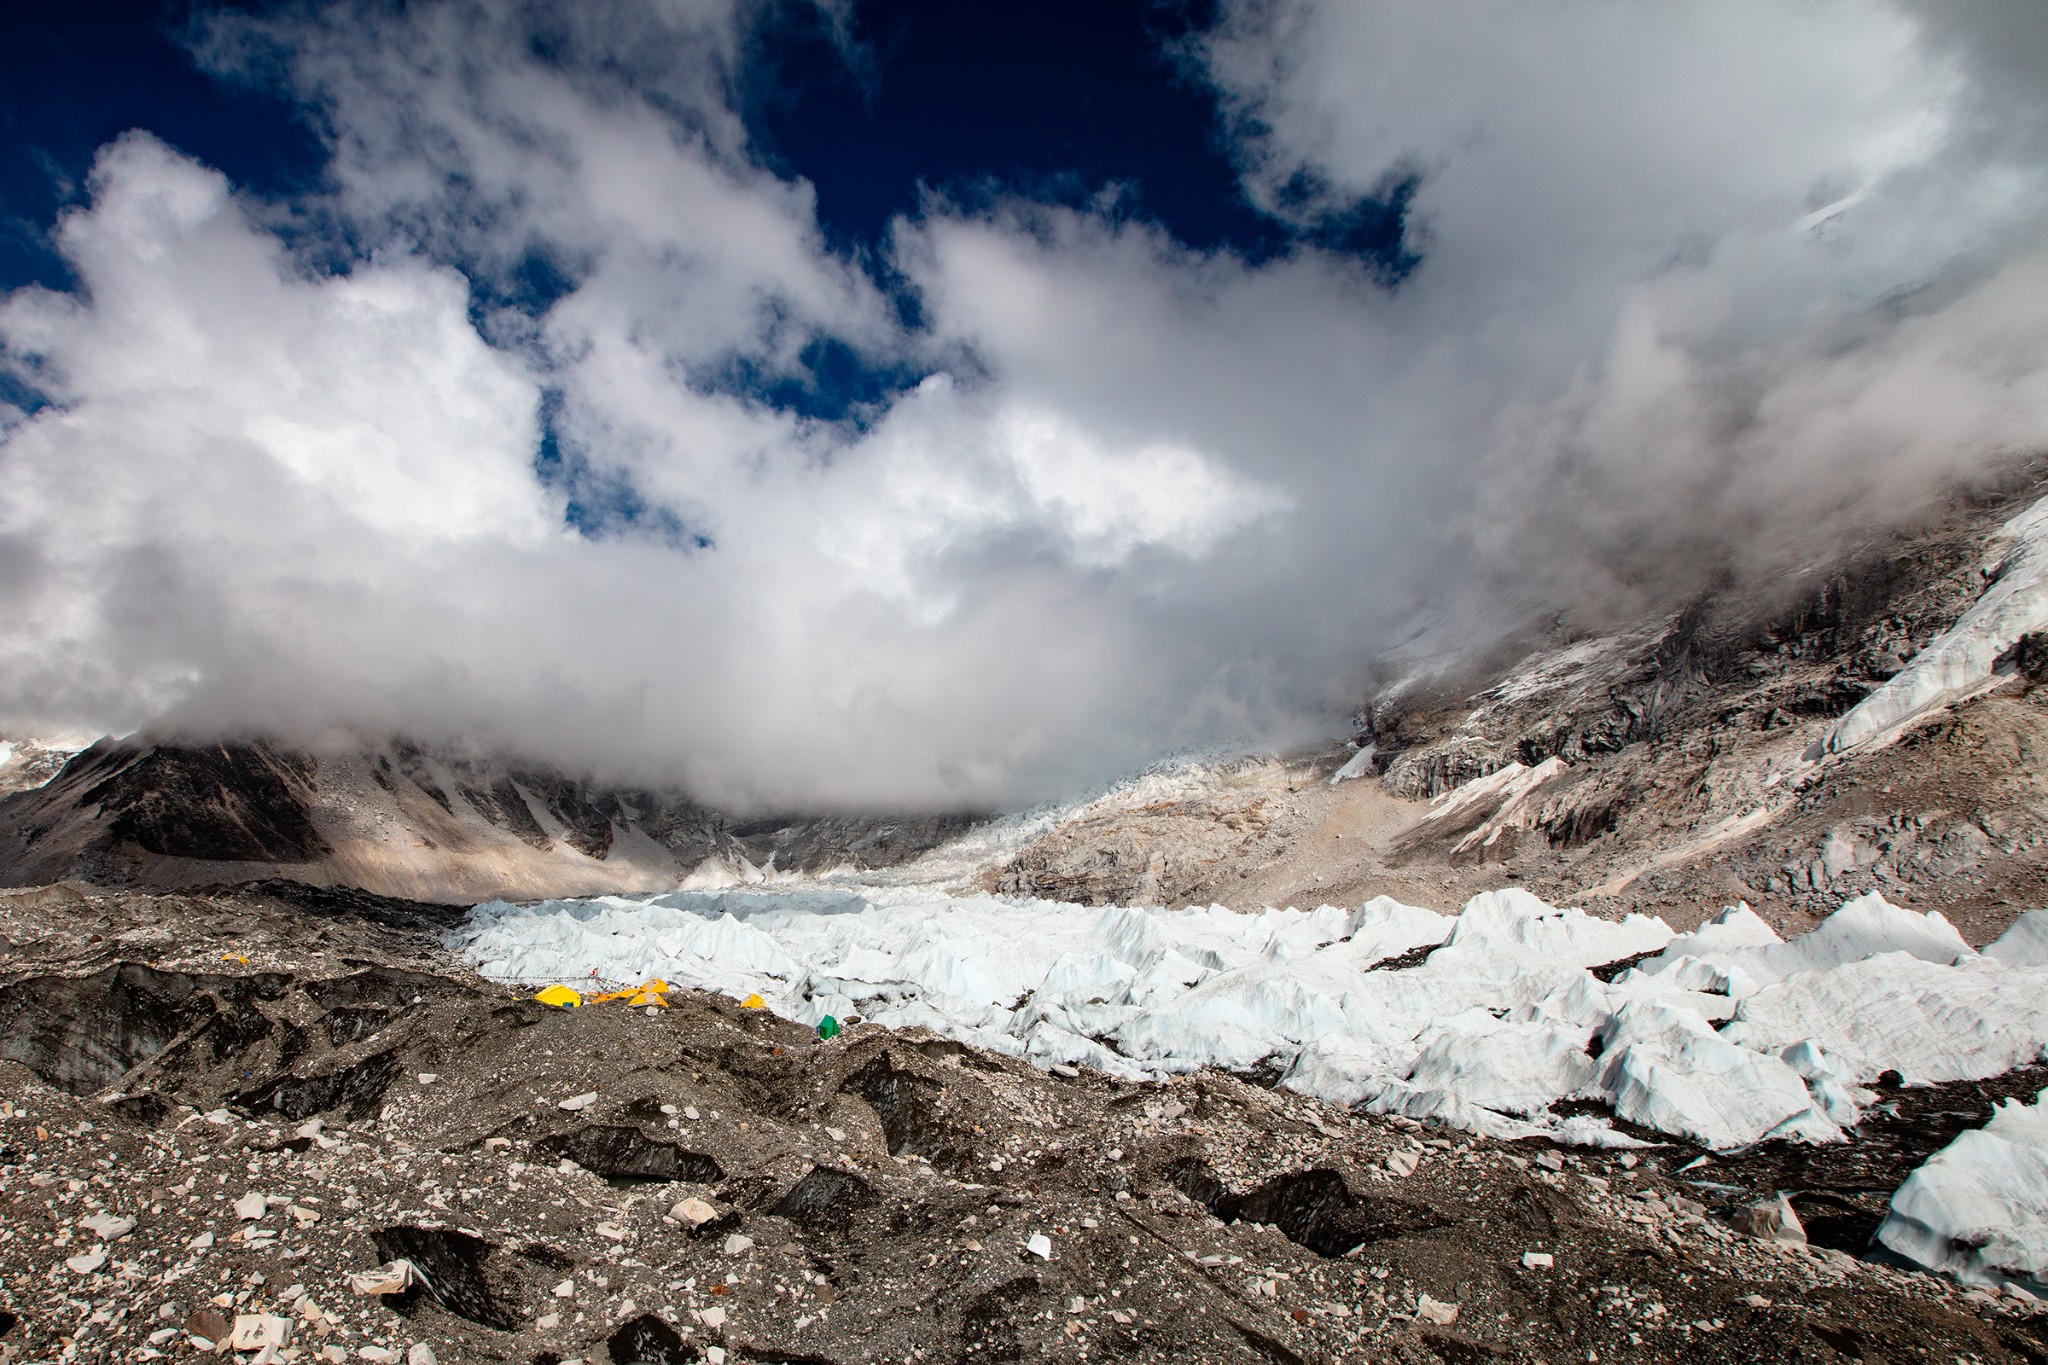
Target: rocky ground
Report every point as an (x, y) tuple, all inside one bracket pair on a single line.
[(224, 1110)]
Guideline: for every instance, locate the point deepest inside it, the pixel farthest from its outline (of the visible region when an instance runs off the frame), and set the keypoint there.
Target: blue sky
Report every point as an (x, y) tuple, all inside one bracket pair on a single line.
[(935, 405)]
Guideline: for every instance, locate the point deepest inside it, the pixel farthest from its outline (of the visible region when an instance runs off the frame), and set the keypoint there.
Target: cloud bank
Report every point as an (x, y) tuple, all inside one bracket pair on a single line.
[(1702, 291)]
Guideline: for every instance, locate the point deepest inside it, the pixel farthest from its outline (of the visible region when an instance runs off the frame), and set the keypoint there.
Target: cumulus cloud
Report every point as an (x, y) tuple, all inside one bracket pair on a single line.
[(1702, 290)]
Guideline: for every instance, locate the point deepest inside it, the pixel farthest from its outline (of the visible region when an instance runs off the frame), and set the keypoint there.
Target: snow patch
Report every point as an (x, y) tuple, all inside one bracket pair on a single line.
[(1963, 660)]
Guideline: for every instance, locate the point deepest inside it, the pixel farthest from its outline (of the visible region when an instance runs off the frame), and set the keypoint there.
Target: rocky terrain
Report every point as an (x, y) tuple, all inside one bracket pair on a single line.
[(282, 1124), (250, 1103), (1673, 768), (399, 820)]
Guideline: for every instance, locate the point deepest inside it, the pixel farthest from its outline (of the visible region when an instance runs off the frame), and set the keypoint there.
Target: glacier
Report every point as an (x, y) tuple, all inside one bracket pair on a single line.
[(1490, 1019)]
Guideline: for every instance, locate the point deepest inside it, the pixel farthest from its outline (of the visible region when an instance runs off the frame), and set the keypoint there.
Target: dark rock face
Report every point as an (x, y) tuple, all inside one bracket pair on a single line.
[(126, 813), (458, 1270), (826, 1201), (84, 1033), (647, 1340), (224, 803), (618, 1152)]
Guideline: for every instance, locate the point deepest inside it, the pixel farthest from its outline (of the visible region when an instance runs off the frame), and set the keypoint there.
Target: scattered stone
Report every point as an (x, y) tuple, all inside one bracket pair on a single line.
[(86, 1262), (694, 1211), (1771, 1220), (108, 1227), (1435, 1311), (393, 1277), (251, 1207), (254, 1331), (1537, 1260), (421, 1354), (208, 1325), (1402, 1161), (578, 1102), (738, 1244), (1039, 1245)]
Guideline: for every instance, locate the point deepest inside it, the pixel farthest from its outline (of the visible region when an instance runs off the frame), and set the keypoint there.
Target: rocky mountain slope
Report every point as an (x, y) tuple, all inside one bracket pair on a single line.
[(400, 820), (1679, 766)]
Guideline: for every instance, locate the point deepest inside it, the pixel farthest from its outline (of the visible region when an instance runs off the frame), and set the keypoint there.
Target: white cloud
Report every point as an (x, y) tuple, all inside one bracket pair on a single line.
[(1150, 497)]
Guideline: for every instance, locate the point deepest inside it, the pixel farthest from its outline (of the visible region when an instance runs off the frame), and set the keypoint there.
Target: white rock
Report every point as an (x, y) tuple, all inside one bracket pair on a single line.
[(421, 1354), (251, 1207), (1537, 1260), (1401, 1161), (576, 1102), (566, 1289), (713, 1317), (255, 1331), (1039, 1245), (548, 1321), (693, 1211), (428, 1078), (85, 1263), (1435, 1311), (108, 1227), (738, 1244), (394, 1277), (1772, 1220)]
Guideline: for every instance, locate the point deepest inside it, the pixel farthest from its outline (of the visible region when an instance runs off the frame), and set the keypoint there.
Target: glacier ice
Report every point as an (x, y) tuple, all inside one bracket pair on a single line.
[(1491, 1019), (1963, 659), (1978, 1208)]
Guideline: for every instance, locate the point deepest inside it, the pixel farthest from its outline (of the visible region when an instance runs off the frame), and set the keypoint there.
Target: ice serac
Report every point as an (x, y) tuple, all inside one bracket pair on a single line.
[(1963, 659), (1978, 1208), (1726, 1036)]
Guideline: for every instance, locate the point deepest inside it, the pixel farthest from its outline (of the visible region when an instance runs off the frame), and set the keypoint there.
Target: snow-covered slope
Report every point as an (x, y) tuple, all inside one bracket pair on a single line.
[(1489, 1019), (1964, 659)]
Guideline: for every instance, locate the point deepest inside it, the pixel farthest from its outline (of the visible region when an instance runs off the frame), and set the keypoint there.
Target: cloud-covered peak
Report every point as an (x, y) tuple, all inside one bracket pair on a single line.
[(493, 436)]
